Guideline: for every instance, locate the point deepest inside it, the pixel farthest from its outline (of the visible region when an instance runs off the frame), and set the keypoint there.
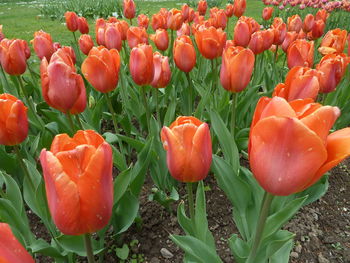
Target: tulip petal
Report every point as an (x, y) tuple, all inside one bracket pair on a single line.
[(210, 48), (62, 142), (284, 154), (303, 87), (88, 137)]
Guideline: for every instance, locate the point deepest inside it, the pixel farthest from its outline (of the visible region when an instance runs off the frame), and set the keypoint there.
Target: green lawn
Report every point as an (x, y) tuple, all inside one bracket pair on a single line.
[(21, 20)]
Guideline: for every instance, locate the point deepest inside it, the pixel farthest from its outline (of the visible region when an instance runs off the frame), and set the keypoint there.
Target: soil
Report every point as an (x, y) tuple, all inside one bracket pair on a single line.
[(322, 228)]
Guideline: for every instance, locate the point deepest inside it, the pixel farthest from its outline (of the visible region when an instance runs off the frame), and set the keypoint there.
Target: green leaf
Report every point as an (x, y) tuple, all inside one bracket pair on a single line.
[(121, 184), (197, 249), (76, 245), (13, 193), (239, 248), (42, 247), (122, 252), (316, 191), (282, 255)]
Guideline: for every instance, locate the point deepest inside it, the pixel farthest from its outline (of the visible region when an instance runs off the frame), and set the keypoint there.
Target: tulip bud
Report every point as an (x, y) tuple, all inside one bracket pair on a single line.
[(300, 53), (210, 41), (184, 30), (83, 25), (78, 181), (229, 10), (71, 21), (158, 22), (143, 21), (289, 39), (256, 43), (162, 72), (333, 42), (13, 56), (160, 39), (11, 250), (184, 53), (113, 36), (280, 30), (141, 64), (294, 23), (129, 9), (101, 68), (189, 151), (237, 68), (62, 88), (309, 22), (322, 15), (136, 35), (242, 33), (43, 45), (202, 7), (239, 7), (301, 140), (174, 19), (185, 11), (14, 124), (85, 44), (267, 13)]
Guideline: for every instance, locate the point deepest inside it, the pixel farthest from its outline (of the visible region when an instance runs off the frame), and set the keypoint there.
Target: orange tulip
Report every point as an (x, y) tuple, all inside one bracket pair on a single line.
[(294, 23), (254, 26), (78, 181), (189, 151), (242, 33), (129, 9), (322, 14), (185, 11), (100, 26), (11, 250), (210, 41), (237, 68), (290, 147), (218, 19), (161, 39), (239, 7), (85, 44), (309, 22), (101, 68), (318, 29), (184, 30), (71, 21), (333, 42), (256, 43), (300, 53), (13, 56), (141, 64), (332, 68), (202, 7), (349, 45), (83, 25), (62, 88), (43, 45), (229, 10), (184, 53), (125, 28), (268, 37), (136, 35), (174, 19), (162, 72), (2, 36), (113, 36), (191, 15), (267, 13), (280, 30), (70, 52), (143, 21), (289, 39), (301, 83), (14, 121), (158, 22)]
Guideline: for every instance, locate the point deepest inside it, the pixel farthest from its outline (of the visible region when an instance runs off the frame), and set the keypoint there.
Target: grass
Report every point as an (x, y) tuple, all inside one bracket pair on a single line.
[(21, 20)]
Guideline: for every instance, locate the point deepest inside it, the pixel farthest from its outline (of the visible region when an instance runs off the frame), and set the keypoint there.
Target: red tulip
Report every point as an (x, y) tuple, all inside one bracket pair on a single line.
[(184, 30), (113, 36), (280, 30), (13, 56), (256, 43), (267, 13), (162, 72), (159, 21), (289, 39), (202, 7), (11, 250), (294, 23), (237, 68), (318, 29), (185, 11), (101, 68), (210, 41), (83, 25), (78, 181), (71, 21), (218, 19), (229, 10), (129, 9), (184, 53), (85, 44), (300, 53), (322, 15), (309, 22), (239, 7), (301, 83), (100, 26), (136, 35), (141, 64), (174, 19), (189, 151), (242, 33), (160, 39), (143, 21), (43, 45), (290, 147), (62, 88), (14, 121), (333, 42)]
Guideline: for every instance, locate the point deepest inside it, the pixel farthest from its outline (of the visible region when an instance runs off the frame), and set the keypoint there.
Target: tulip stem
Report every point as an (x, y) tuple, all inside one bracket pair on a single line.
[(190, 89), (79, 122), (5, 82), (80, 60), (233, 113), (146, 107), (171, 44), (70, 121), (88, 247), (155, 92), (110, 106), (30, 104), (276, 52), (190, 200), (264, 212), (24, 167)]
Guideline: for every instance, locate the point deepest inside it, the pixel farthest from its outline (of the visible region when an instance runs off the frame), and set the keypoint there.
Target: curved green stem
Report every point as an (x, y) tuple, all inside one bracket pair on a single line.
[(88, 247), (79, 122), (110, 107), (170, 55), (190, 88), (70, 121), (24, 167), (264, 212), (145, 104), (190, 200), (80, 60), (233, 113), (155, 92)]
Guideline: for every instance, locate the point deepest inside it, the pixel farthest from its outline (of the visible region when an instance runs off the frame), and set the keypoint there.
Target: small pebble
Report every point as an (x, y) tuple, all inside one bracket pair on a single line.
[(166, 253)]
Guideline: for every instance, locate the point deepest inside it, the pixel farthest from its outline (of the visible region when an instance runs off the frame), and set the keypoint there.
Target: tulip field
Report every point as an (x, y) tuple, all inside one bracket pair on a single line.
[(197, 132)]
